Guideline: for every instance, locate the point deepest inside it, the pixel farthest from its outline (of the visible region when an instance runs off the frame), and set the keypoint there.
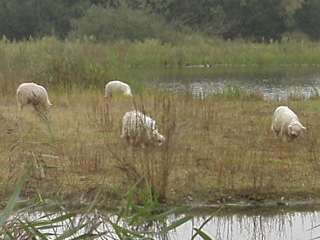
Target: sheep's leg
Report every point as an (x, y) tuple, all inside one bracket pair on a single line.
[(18, 113), (40, 110), (20, 106)]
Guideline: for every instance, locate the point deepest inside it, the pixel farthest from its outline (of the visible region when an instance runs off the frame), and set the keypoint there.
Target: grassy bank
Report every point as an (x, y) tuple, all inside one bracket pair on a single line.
[(218, 149), (83, 64)]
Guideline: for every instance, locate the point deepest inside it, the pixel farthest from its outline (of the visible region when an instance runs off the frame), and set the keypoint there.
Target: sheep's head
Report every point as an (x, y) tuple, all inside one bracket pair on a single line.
[(128, 94), (295, 128), (158, 138)]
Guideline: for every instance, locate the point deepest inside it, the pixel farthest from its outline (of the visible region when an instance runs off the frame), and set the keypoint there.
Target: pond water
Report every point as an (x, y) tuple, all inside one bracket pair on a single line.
[(275, 83), (266, 224), (233, 224)]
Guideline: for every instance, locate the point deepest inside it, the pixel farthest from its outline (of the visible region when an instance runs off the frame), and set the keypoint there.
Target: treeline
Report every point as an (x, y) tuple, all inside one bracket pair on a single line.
[(167, 20)]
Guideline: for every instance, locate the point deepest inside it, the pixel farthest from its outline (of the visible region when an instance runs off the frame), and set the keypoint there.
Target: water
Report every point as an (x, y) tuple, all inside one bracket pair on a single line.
[(272, 82), (259, 225), (246, 224)]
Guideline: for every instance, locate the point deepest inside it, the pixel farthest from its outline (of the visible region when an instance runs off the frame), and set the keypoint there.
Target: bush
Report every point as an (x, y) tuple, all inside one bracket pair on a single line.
[(308, 19), (109, 24)]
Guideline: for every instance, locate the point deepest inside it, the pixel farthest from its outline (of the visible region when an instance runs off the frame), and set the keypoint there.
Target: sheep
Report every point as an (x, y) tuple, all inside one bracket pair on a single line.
[(31, 93), (286, 123), (117, 87), (138, 128)]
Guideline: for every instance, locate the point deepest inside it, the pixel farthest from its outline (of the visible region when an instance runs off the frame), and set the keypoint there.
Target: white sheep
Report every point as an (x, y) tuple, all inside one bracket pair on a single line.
[(286, 123), (114, 87), (138, 128), (34, 94)]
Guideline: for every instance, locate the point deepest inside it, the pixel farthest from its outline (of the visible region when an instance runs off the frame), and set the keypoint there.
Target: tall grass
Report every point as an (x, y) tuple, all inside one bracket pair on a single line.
[(40, 216), (67, 64), (48, 220)]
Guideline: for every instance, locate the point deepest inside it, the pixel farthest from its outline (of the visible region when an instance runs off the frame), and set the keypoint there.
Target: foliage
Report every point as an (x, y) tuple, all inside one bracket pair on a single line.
[(109, 24), (37, 18), (47, 219), (308, 18), (249, 19), (66, 65), (112, 20)]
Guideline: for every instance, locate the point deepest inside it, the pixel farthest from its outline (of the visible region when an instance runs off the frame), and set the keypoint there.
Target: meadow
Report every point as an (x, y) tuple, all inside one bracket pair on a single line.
[(218, 149)]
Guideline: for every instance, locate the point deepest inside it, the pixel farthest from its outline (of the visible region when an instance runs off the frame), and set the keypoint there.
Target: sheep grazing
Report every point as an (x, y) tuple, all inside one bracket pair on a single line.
[(114, 87), (34, 94), (286, 123), (138, 129)]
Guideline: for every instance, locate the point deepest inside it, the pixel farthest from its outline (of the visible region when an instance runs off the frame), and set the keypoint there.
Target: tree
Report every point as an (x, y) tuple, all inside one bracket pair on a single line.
[(17, 20), (24, 18), (122, 23), (250, 19), (259, 20), (308, 18)]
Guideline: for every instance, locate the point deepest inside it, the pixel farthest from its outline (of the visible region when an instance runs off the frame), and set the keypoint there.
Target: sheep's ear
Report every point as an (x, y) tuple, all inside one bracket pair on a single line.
[(303, 127)]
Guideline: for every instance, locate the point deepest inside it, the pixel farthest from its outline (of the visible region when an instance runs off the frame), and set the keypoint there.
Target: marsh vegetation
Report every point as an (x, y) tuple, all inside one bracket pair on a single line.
[(218, 148)]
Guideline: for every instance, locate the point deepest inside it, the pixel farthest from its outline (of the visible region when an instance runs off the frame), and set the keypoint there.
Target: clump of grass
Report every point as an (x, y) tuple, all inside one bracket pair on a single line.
[(46, 220), (234, 91), (150, 162)]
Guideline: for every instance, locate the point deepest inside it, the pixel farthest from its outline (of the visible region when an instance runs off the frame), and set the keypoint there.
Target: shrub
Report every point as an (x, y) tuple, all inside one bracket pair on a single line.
[(109, 24)]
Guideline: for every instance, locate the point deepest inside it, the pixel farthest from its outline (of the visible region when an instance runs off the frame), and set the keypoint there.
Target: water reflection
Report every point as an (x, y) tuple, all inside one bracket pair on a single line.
[(282, 226), (272, 82), (265, 224), (269, 90)]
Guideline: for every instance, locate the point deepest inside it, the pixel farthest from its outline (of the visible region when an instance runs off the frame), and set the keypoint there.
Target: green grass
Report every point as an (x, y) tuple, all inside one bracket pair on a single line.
[(66, 64)]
